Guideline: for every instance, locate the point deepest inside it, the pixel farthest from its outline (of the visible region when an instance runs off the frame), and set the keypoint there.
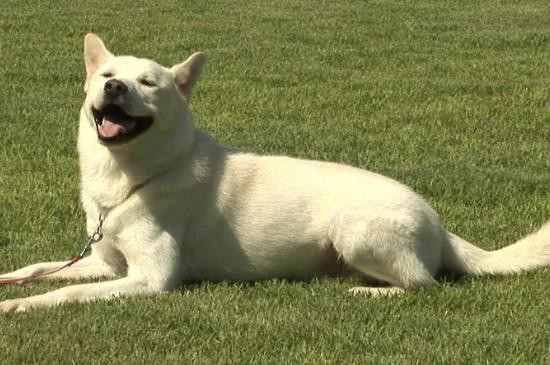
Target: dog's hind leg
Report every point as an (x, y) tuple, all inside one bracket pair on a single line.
[(88, 267), (401, 250)]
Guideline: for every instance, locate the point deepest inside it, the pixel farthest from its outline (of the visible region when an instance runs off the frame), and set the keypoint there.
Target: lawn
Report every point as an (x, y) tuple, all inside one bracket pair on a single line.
[(449, 97)]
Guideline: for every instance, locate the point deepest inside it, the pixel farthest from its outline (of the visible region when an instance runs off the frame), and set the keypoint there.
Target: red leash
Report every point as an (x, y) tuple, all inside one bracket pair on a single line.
[(93, 238), (9, 281)]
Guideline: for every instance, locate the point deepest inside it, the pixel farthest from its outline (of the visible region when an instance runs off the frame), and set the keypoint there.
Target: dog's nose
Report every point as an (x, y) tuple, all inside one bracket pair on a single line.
[(115, 87)]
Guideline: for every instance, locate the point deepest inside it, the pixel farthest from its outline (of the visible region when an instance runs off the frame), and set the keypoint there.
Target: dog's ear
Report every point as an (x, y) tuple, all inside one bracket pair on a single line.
[(95, 53), (187, 73)]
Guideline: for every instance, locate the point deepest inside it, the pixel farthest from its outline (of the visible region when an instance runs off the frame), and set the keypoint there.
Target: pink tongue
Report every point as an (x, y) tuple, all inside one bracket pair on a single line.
[(109, 129)]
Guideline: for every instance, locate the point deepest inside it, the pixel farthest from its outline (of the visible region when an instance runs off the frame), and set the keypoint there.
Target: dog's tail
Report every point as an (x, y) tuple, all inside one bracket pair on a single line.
[(529, 253)]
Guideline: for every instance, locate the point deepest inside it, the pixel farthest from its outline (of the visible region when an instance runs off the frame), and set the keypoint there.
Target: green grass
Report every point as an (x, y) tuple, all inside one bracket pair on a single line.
[(450, 97)]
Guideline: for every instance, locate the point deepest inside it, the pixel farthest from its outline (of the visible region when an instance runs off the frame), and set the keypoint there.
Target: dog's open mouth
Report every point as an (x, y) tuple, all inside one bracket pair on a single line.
[(114, 126)]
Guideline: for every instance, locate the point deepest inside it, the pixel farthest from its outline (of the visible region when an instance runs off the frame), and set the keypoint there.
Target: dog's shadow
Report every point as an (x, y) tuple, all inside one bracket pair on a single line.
[(445, 278)]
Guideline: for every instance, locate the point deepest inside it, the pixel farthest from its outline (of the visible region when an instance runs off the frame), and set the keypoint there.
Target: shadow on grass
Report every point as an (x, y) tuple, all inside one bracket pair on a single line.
[(445, 280)]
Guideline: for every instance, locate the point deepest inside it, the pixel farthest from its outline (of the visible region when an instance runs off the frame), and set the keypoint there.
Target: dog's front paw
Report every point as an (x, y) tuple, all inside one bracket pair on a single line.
[(15, 305)]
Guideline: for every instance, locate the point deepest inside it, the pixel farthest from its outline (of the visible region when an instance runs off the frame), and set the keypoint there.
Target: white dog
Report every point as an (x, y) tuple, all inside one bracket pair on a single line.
[(179, 208)]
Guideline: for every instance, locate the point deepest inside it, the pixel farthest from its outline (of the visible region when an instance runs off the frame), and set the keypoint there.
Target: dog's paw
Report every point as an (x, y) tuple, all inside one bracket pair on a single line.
[(15, 305), (376, 291)]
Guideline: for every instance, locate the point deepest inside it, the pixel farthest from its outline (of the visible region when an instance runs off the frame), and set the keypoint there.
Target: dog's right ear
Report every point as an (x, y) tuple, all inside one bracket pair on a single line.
[(95, 53)]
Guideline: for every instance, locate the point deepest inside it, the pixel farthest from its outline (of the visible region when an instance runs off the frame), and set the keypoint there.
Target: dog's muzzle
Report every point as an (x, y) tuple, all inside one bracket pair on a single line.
[(113, 124)]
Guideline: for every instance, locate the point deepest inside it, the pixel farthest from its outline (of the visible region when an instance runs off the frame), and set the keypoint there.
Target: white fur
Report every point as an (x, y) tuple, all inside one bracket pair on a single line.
[(180, 208)]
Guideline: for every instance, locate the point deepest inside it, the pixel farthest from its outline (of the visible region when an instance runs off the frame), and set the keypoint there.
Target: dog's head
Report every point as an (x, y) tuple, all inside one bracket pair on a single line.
[(128, 98)]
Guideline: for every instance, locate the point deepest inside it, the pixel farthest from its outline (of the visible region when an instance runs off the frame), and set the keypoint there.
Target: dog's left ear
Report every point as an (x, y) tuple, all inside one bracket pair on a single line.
[(187, 73), (95, 53)]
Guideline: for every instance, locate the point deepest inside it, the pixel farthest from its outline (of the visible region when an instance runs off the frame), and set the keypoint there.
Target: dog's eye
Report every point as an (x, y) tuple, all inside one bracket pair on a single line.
[(147, 83), (107, 74)]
